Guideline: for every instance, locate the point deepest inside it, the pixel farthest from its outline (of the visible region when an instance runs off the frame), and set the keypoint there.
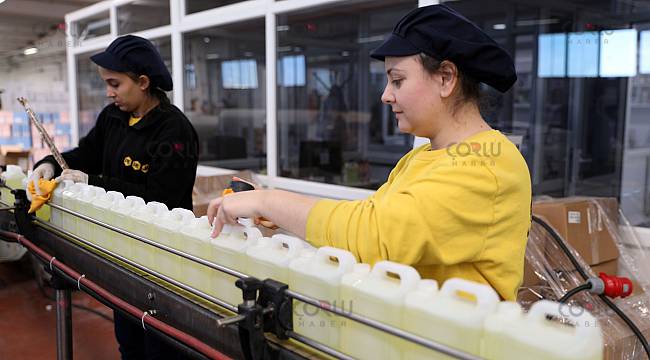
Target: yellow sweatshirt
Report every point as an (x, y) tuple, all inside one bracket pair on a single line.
[(463, 211)]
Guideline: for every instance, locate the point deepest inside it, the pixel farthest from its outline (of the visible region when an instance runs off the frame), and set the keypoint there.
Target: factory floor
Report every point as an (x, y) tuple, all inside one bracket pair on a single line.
[(28, 320)]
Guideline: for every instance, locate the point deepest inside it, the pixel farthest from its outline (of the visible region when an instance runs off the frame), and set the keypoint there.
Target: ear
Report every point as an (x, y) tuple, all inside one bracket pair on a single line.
[(144, 82), (448, 73)]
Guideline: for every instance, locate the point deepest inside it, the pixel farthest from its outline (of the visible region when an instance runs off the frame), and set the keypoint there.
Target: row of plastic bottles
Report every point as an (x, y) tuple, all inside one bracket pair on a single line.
[(461, 314), (464, 315)]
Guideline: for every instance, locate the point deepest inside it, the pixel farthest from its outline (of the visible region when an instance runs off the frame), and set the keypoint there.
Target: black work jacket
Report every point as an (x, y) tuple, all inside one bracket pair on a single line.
[(155, 159)]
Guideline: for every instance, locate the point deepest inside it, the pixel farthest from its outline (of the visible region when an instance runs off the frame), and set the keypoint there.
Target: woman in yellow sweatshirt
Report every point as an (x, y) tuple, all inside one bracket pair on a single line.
[(457, 207)]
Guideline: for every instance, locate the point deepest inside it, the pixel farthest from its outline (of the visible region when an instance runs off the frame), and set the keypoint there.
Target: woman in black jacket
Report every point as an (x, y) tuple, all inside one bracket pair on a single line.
[(141, 145)]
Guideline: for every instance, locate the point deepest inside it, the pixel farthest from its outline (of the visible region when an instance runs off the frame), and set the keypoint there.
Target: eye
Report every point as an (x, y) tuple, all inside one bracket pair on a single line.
[(396, 82)]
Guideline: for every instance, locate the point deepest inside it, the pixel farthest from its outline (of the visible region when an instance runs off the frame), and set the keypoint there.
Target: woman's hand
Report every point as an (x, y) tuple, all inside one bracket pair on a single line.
[(226, 209), (74, 175), (43, 171)]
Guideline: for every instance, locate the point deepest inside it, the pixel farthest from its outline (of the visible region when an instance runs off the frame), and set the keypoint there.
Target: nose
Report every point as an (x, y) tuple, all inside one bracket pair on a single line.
[(388, 97), (109, 92)]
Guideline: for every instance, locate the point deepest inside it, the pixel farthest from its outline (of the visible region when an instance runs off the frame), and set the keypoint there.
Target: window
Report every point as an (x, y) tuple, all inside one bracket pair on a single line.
[(225, 97), (239, 74), (583, 54), (193, 6), (552, 55), (91, 27), (292, 71), (91, 93), (618, 53), (332, 125), (91, 89), (142, 15)]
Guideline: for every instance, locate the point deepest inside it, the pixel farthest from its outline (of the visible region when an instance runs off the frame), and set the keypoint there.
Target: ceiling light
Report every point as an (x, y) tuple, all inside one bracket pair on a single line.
[(1, 1), (30, 51), (499, 26)]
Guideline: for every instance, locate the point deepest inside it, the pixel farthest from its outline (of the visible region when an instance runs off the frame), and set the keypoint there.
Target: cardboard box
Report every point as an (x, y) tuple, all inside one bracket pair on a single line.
[(207, 188), (608, 267), (10, 156), (580, 224)]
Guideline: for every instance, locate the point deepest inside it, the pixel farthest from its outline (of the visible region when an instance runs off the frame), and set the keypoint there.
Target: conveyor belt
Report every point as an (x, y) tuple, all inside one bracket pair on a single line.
[(189, 310)]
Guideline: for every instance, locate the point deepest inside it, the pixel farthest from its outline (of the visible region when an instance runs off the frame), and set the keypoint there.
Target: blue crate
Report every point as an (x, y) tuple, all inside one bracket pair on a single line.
[(20, 117)]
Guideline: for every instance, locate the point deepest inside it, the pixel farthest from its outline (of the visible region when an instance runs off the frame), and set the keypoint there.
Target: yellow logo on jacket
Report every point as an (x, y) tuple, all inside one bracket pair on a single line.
[(135, 165)]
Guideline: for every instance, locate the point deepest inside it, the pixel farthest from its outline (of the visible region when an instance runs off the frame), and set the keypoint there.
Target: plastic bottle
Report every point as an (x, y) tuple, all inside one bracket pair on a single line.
[(318, 275), (378, 294), (229, 250)]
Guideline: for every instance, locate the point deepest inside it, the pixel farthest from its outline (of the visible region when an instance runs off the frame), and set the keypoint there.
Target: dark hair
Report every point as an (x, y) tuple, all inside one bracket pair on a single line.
[(470, 88), (153, 91)]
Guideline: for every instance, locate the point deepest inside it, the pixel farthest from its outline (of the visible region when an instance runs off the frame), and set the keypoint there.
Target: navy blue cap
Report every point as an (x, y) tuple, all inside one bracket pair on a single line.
[(444, 34), (138, 55)]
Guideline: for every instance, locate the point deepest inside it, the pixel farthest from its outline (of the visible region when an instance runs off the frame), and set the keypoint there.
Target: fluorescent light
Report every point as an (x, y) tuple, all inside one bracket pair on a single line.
[(499, 26), (1, 1), (30, 51)]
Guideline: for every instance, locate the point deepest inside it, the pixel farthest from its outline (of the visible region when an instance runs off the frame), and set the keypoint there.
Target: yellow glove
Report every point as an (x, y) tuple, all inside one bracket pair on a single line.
[(46, 188)]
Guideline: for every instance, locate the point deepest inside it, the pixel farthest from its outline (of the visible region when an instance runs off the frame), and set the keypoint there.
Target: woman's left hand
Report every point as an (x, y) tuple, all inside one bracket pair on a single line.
[(226, 209)]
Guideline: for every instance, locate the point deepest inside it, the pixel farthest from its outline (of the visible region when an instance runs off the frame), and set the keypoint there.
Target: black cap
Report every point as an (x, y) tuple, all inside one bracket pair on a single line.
[(444, 34), (132, 53)]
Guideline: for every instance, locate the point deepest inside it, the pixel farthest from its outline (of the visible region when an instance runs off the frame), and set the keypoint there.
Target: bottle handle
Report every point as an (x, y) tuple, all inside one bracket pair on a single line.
[(135, 200), (486, 297), (183, 214), (345, 259), (408, 276), (294, 244), (585, 323), (114, 196)]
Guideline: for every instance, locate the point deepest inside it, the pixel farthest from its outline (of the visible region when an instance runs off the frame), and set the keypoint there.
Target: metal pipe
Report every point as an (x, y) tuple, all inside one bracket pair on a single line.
[(44, 135), (63, 324), (318, 346), (218, 267), (385, 328), (194, 291)]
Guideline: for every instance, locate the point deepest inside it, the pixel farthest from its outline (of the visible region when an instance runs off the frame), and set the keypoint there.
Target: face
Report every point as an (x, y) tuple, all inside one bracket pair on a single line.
[(413, 94), (126, 93)]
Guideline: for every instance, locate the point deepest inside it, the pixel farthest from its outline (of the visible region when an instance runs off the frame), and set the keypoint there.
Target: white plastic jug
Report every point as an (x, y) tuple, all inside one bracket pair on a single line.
[(196, 241), (379, 295), (101, 210), (13, 177), (270, 257), (319, 276), (534, 336), (142, 223), (168, 233), (123, 210), (85, 203), (57, 216), (453, 317), (70, 198), (229, 250)]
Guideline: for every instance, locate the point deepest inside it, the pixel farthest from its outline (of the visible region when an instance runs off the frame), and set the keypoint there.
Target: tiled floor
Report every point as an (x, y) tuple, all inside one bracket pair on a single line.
[(27, 320)]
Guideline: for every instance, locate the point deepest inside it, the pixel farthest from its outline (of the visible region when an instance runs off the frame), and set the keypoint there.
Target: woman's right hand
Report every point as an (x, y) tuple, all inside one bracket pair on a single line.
[(42, 171), (257, 220)]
